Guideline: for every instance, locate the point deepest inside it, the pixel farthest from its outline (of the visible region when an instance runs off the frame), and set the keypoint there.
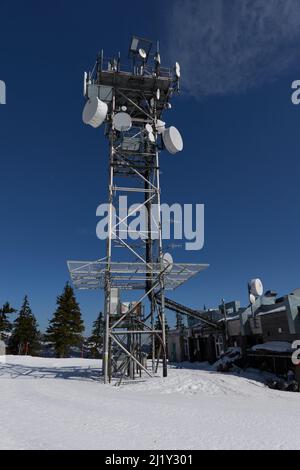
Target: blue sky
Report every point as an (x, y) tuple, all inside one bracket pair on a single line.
[(241, 156)]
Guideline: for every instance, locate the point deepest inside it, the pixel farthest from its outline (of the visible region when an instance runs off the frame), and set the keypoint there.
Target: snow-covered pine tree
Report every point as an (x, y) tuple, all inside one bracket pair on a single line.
[(66, 327), (97, 337), (5, 324), (25, 337)]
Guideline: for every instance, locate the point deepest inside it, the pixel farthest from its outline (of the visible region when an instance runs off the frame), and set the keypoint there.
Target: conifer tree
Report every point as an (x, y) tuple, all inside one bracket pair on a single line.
[(96, 338), (179, 322), (25, 334), (66, 327), (5, 324)]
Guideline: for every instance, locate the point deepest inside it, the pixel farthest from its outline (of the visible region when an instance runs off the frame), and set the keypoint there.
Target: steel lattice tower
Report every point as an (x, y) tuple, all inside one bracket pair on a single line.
[(143, 92)]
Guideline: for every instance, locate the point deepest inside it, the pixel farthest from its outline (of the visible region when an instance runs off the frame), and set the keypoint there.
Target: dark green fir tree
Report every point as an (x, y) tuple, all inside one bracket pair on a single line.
[(25, 337), (97, 337), (66, 327), (5, 324), (180, 327), (179, 322)]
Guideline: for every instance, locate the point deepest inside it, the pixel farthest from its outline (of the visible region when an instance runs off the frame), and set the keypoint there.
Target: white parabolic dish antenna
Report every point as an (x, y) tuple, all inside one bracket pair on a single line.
[(172, 140), (122, 122), (94, 112), (142, 53), (168, 262), (160, 126), (149, 128), (256, 287), (151, 137)]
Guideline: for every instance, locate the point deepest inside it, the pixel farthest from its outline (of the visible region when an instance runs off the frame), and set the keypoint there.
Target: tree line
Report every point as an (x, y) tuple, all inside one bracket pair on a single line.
[(65, 330)]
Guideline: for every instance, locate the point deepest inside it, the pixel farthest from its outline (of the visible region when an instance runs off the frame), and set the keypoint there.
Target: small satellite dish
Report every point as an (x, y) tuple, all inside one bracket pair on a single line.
[(151, 137), (94, 112), (157, 58), (256, 287), (167, 262), (142, 53), (122, 122), (152, 102), (124, 108), (158, 94), (169, 106), (149, 128), (160, 126), (177, 69), (85, 76), (172, 140), (252, 299)]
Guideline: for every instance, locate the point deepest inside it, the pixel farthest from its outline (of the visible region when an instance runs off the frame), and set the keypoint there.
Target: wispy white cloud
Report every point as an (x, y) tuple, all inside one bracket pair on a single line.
[(227, 46)]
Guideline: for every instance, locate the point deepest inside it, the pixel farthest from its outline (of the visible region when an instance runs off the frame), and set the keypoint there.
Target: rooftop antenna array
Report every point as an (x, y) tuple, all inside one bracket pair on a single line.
[(130, 102)]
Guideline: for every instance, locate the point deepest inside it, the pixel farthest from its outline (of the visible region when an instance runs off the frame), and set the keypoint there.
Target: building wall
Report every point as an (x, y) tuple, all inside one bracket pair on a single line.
[(177, 346), (293, 303), (244, 330), (275, 327), (234, 327), (203, 346)]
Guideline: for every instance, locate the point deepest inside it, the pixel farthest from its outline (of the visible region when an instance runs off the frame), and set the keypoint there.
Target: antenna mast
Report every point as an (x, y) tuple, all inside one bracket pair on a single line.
[(131, 103)]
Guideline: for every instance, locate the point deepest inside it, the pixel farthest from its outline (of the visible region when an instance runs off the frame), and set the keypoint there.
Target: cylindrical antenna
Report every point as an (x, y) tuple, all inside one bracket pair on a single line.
[(225, 320)]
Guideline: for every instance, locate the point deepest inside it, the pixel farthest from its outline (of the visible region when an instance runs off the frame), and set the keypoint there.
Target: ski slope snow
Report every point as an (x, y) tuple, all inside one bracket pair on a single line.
[(63, 404)]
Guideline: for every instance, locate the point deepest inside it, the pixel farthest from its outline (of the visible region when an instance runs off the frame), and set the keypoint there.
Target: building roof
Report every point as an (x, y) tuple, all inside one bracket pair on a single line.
[(274, 346), (274, 310)]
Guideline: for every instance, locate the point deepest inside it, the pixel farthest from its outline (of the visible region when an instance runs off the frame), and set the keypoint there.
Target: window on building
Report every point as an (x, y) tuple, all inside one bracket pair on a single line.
[(219, 342)]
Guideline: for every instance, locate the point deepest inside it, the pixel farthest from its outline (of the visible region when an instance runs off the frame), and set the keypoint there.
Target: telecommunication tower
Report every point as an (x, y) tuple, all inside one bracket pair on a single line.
[(130, 101)]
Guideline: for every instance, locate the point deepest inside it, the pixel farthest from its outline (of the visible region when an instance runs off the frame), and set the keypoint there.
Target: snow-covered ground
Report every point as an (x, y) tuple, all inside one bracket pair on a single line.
[(62, 404)]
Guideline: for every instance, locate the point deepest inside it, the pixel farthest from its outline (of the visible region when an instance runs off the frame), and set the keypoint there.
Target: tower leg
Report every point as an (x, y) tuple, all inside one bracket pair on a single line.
[(163, 327), (106, 336)]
